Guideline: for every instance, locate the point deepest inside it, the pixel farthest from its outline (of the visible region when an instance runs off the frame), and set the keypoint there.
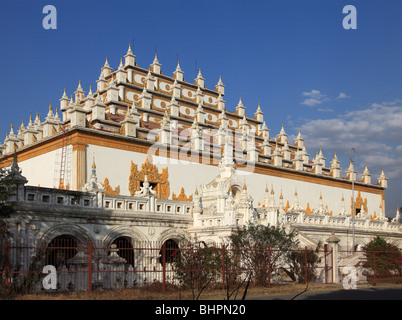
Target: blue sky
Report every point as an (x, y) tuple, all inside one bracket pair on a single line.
[(342, 88)]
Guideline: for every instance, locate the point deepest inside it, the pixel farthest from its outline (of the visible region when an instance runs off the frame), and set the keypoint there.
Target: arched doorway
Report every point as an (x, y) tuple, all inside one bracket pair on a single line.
[(125, 249), (236, 192), (172, 252), (61, 249)]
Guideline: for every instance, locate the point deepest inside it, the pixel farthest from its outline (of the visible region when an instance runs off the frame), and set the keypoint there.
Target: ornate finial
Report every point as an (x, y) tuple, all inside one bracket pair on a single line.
[(199, 73), (129, 49), (106, 63), (178, 65), (64, 94)]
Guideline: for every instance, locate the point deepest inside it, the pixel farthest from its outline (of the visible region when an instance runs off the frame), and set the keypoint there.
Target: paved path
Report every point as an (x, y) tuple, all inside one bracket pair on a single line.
[(371, 293)]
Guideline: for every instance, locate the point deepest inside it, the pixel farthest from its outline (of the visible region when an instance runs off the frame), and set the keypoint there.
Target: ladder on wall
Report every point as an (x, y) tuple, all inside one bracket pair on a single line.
[(62, 174)]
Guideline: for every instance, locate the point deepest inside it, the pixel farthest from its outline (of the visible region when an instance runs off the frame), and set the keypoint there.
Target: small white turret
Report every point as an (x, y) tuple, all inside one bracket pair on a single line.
[(351, 172), (106, 69), (383, 180), (79, 93), (200, 81), (240, 109), (101, 82), (178, 73), (64, 104), (220, 87), (335, 167), (277, 156), (164, 133), (397, 217), (321, 157), (156, 66), (299, 141), (129, 57), (121, 74), (98, 109), (366, 176), (259, 115), (221, 103), (282, 135)]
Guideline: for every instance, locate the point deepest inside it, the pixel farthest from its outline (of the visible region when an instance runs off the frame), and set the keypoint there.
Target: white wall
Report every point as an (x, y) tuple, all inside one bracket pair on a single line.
[(40, 170), (115, 165)]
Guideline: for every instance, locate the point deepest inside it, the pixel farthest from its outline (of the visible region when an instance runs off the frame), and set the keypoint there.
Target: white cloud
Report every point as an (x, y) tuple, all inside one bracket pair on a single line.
[(311, 102), (312, 93), (315, 98), (325, 110), (342, 95), (375, 132)]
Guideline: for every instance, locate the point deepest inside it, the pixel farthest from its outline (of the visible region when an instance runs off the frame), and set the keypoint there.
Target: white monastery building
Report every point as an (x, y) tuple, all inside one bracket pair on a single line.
[(150, 157)]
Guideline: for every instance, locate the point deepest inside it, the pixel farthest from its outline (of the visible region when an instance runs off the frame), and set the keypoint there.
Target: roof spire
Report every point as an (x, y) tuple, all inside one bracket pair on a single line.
[(259, 115), (50, 113), (156, 66), (11, 129), (220, 87), (129, 57), (282, 135), (178, 73), (240, 108), (106, 70), (106, 65), (64, 96), (199, 81), (129, 51)]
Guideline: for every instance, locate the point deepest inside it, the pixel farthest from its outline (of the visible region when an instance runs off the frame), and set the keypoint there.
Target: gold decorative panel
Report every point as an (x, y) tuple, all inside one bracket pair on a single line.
[(108, 188), (182, 196), (159, 181), (360, 203)]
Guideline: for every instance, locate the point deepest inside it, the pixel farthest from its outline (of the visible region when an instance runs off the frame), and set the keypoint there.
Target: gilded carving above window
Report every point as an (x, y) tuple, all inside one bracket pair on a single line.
[(360, 204), (158, 181)]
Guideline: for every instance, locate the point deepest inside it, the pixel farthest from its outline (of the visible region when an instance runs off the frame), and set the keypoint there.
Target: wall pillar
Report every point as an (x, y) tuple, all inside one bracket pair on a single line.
[(333, 243), (79, 166)]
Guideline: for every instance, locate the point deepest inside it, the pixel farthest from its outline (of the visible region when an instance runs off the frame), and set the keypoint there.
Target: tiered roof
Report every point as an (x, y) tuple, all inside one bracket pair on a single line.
[(134, 101)]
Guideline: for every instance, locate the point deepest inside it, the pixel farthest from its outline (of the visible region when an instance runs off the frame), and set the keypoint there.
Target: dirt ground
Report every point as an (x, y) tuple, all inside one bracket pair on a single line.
[(155, 293)]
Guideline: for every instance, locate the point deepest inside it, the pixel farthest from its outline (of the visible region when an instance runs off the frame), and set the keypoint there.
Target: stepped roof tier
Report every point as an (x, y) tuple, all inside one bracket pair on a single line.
[(144, 104)]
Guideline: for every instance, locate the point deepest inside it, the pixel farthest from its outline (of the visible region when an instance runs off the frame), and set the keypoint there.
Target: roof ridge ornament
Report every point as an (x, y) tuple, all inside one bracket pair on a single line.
[(199, 81), (129, 57)]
